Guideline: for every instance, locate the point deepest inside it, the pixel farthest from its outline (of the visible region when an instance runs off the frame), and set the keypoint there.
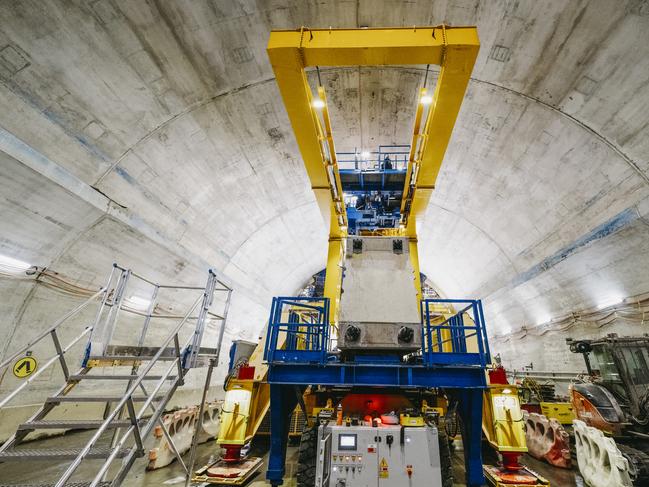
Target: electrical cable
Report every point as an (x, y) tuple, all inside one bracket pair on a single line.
[(43, 276), (633, 310)]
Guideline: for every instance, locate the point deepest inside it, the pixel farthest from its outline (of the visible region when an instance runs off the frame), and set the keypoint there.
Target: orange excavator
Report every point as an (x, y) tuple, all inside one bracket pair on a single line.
[(614, 397)]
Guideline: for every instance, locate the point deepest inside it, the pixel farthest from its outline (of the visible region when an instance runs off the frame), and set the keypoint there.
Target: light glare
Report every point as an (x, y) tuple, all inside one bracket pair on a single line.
[(13, 266), (426, 100), (611, 301), (318, 103), (139, 302)]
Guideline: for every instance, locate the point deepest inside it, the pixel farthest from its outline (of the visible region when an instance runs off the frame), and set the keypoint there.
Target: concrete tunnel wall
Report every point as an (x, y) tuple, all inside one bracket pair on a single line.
[(153, 135)]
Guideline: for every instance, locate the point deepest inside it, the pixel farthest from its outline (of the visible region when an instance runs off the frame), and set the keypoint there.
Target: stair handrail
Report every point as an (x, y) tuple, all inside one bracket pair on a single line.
[(127, 396), (56, 324), (60, 351)]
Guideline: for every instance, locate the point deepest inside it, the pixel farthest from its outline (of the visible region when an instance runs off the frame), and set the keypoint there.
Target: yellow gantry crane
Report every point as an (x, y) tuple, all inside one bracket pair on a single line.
[(291, 54)]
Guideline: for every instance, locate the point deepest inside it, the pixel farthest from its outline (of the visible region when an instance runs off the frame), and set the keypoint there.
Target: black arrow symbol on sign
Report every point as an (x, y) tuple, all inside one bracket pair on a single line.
[(27, 364)]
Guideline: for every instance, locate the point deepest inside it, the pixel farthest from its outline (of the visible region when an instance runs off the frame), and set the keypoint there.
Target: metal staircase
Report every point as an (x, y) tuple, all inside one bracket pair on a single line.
[(153, 374)]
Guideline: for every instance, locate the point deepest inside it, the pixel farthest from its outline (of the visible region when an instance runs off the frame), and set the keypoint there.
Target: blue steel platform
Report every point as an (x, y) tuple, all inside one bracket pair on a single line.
[(299, 353), (380, 375)]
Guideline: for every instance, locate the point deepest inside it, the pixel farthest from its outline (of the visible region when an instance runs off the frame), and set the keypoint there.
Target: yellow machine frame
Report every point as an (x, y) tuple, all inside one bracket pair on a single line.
[(292, 52)]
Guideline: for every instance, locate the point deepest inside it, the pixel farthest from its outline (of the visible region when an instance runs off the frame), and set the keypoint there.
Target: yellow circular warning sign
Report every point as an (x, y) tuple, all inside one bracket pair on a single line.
[(24, 367)]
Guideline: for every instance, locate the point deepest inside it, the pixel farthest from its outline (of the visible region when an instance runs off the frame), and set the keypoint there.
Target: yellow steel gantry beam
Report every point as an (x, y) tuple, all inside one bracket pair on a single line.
[(291, 52)]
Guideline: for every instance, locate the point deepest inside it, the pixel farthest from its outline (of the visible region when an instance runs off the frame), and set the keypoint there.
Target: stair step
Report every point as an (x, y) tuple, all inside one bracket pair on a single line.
[(72, 424), (59, 399), (58, 454), (120, 350), (128, 358), (79, 377), (125, 354)]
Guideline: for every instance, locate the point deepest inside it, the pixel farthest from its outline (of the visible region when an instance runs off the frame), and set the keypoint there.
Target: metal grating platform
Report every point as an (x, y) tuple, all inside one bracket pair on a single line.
[(58, 454), (72, 424)]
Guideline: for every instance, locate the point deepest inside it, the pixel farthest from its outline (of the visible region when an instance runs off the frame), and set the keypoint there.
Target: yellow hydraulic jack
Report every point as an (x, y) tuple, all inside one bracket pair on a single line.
[(244, 407), (504, 429)]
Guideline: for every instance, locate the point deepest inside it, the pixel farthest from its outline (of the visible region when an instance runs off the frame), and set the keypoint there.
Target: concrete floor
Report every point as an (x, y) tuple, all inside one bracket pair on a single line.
[(26, 473)]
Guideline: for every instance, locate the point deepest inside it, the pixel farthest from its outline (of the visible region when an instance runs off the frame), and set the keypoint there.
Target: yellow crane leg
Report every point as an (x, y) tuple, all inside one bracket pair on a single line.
[(334, 277)]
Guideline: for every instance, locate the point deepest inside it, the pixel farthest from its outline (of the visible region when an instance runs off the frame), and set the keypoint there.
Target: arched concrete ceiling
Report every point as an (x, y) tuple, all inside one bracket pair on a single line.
[(169, 110)]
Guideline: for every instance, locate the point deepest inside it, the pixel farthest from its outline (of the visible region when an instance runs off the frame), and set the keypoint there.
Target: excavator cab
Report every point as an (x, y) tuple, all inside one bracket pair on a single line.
[(619, 387)]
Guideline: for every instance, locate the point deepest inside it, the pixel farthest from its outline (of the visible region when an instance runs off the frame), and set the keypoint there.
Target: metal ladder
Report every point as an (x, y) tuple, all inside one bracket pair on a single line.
[(130, 425)]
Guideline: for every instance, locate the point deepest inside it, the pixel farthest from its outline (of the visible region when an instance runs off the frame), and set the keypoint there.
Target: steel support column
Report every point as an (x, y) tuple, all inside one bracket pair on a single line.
[(470, 409), (283, 400)]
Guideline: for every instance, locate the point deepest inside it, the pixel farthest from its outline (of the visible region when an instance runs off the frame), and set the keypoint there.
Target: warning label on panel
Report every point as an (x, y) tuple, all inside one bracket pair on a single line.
[(384, 472)]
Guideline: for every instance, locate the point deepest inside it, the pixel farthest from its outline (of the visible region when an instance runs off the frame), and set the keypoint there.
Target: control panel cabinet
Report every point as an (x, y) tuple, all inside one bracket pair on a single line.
[(385, 456)]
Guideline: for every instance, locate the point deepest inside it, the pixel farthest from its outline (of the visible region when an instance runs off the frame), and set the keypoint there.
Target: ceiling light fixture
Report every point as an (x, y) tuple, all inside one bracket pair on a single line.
[(426, 100), (13, 266), (318, 103)]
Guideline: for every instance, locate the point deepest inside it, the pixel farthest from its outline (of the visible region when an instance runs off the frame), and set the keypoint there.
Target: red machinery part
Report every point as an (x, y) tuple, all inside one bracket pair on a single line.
[(246, 372), (498, 376), (232, 471), (510, 460), (232, 453), (517, 478), (531, 408)]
